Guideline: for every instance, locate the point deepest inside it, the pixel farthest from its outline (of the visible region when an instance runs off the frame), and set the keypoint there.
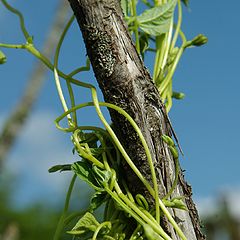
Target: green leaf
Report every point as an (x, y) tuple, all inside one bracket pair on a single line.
[(84, 171), (85, 224), (3, 58), (186, 2), (97, 200), (64, 167), (147, 3), (89, 138), (125, 7), (156, 21), (102, 176), (96, 152)]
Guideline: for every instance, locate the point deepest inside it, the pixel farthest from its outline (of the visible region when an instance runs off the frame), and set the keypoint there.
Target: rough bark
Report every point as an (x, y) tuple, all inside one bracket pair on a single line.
[(16, 120), (125, 82)]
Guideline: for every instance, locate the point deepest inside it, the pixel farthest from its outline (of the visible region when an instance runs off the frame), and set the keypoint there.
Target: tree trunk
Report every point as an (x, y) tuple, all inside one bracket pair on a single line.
[(126, 83)]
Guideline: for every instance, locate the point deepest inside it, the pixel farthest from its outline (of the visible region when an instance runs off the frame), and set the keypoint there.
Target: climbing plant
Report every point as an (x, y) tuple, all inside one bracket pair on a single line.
[(126, 215)]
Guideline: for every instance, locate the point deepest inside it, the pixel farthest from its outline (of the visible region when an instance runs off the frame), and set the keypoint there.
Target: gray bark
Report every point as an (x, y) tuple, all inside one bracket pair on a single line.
[(125, 82)]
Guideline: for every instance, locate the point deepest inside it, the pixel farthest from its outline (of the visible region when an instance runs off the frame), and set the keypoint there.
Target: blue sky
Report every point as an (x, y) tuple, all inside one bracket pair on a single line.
[(206, 121)]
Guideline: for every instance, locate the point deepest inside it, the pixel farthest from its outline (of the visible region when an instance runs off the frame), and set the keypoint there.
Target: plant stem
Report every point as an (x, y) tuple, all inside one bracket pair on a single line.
[(125, 155), (60, 225), (70, 90), (178, 27), (21, 19), (134, 10)]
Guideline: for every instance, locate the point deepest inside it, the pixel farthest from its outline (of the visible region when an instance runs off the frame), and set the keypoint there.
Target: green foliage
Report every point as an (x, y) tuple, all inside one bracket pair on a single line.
[(155, 25), (97, 200), (64, 167), (101, 153), (94, 176), (85, 224), (34, 222), (156, 21), (186, 2)]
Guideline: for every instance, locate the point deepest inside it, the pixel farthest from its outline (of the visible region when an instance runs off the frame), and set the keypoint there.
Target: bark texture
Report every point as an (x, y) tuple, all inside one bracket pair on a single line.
[(125, 82)]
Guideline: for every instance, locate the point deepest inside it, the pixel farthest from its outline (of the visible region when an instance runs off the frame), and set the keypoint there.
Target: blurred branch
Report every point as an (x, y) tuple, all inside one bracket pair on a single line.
[(16, 120), (11, 232)]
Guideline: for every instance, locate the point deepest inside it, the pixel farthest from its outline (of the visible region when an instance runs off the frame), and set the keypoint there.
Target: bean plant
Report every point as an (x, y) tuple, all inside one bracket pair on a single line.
[(126, 216)]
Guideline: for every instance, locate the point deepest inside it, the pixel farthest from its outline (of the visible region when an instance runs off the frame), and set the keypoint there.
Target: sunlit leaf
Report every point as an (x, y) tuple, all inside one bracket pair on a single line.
[(64, 167), (156, 21), (125, 7), (85, 172), (85, 224)]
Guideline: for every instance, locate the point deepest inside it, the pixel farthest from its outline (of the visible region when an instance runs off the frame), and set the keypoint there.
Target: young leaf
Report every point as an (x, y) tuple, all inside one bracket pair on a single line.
[(156, 21), (147, 3), (96, 152), (85, 172), (125, 7), (186, 2), (3, 58), (86, 223), (89, 138), (64, 167), (102, 176), (97, 200)]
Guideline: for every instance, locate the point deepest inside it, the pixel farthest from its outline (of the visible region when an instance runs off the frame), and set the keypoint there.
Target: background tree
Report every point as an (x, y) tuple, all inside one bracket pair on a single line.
[(16, 120)]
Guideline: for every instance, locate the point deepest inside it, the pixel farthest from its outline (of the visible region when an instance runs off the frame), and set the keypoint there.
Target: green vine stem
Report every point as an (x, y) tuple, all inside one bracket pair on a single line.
[(21, 19), (125, 155), (178, 26), (70, 90), (61, 222), (134, 11), (162, 42), (107, 224)]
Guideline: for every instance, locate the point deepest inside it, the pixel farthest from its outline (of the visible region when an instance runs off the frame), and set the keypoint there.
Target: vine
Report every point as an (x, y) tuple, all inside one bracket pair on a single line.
[(100, 150)]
